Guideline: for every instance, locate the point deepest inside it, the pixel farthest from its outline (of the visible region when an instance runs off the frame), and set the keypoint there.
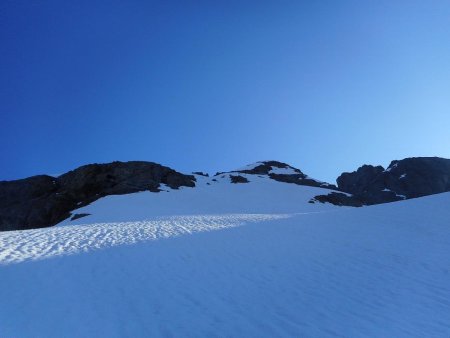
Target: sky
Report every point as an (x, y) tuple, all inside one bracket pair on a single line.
[(325, 86)]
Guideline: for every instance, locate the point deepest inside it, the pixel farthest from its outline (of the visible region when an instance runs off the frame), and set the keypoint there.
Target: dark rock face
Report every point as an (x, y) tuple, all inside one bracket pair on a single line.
[(301, 179), (420, 176), (201, 173), (77, 216), (43, 201), (338, 198), (27, 199), (408, 178), (404, 179), (357, 181), (238, 179)]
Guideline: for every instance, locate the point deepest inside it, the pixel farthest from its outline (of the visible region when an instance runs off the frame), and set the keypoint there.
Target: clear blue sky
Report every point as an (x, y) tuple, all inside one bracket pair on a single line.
[(211, 85)]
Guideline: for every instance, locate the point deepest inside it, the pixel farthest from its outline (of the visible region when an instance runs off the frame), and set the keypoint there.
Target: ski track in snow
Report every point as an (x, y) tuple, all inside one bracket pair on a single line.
[(25, 245)]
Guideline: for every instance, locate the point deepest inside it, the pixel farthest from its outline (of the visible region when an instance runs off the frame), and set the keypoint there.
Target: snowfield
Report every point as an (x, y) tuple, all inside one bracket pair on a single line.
[(212, 195), (287, 269), (37, 244)]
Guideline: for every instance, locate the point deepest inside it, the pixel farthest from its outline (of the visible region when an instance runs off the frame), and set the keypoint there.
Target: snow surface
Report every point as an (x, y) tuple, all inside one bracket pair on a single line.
[(390, 168), (211, 196), (318, 271), (20, 246), (283, 171)]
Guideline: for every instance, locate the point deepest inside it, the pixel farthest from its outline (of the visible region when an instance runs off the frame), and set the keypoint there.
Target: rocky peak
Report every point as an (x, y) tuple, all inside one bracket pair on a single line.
[(270, 167), (43, 201), (281, 172), (403, 179)]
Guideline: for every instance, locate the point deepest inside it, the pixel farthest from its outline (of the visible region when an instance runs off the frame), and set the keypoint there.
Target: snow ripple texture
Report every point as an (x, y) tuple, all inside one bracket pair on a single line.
[(20, 246)]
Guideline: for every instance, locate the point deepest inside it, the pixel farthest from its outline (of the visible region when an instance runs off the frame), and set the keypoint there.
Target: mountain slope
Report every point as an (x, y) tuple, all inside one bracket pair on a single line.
[(43, 201), (379, 271), (212, 195)]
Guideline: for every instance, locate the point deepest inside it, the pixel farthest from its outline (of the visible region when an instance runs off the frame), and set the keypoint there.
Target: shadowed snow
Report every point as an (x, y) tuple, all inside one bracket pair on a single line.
[(379, 271)]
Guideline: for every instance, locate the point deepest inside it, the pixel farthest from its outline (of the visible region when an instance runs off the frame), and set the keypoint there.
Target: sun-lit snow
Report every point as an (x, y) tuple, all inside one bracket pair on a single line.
[(390, 168), (20, 246), (283, 171), (276, 266), (250, 166)]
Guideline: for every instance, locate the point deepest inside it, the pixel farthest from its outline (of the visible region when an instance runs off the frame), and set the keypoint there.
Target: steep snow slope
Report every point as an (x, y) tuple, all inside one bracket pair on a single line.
[(212, 195), (380, 271)]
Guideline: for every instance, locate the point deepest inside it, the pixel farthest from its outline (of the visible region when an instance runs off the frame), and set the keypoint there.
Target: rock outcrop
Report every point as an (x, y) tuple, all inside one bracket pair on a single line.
[(282, 172), (404, 179), (43, 201), (238, 179), (338, 198)]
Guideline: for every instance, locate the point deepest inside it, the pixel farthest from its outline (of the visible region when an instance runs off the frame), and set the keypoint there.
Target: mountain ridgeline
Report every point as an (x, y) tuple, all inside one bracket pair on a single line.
[(43, 201)]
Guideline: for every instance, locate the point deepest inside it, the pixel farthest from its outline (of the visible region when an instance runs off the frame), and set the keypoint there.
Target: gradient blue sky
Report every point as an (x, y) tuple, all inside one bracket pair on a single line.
[(211, 85)]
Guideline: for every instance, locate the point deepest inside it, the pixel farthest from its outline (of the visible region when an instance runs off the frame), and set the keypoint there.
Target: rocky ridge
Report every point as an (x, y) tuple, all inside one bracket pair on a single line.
[(280, 172), (42, 201), (408, 178)]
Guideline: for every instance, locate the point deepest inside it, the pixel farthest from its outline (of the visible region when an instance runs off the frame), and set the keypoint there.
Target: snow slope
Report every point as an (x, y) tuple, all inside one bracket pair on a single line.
[(36, 244), (380, 271), (212, 195)]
